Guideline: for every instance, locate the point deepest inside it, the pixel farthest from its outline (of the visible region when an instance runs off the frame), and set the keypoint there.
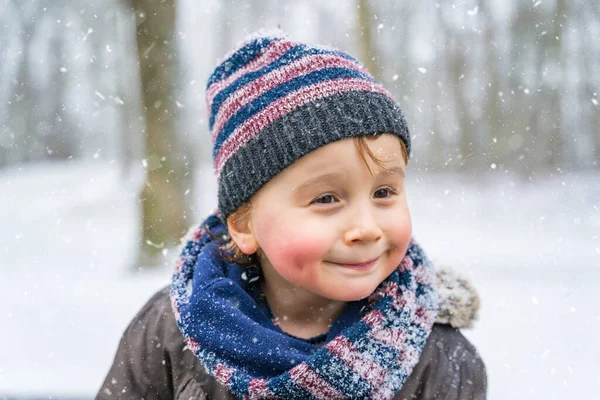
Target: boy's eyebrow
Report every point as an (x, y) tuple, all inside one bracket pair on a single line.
[(323, 178), (393, 170), (334, 176)]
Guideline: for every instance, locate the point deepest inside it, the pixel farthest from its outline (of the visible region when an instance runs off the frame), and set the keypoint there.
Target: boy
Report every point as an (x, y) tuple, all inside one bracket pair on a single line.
[(306, 284)]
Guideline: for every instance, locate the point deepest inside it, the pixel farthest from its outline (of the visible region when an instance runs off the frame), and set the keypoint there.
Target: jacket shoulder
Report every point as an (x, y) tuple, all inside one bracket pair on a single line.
[(449, 368), (151, 361), (157, 312), (451, 341), (154, 325)]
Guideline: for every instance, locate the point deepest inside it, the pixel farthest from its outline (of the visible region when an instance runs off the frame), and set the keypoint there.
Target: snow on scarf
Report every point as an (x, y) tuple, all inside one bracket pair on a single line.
[(369, 353)]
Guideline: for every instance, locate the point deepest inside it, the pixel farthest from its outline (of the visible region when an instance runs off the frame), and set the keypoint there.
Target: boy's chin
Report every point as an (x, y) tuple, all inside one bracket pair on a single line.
[(347, 294)]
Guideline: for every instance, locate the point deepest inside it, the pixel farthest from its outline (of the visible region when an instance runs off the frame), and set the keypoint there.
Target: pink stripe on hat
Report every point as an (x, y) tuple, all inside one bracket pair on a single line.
[(256, 88), (275, 50)]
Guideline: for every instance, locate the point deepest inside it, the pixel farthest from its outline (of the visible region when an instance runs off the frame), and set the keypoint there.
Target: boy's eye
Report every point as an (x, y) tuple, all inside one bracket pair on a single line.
[(325, 199), (383, 193)]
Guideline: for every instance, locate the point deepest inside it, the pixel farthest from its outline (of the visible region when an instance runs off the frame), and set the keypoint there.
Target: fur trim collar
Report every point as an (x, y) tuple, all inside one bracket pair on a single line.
[(458, 300)]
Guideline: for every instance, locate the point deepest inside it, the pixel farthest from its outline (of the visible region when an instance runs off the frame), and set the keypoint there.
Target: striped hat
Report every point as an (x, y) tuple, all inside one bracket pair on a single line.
[(271, 101)]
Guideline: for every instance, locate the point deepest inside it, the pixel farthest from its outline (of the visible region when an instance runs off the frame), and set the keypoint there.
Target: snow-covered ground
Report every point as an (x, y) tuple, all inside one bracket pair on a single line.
[(68, 234)]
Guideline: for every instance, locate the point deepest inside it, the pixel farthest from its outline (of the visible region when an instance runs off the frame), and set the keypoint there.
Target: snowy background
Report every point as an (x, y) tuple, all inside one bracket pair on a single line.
[(532, 249)]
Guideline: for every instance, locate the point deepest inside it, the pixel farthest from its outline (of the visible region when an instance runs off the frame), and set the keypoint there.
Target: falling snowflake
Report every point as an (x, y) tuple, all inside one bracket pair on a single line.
[(473, 12)]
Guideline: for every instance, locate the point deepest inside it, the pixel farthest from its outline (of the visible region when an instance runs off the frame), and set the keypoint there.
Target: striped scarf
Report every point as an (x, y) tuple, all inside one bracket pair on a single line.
[(369, 353)]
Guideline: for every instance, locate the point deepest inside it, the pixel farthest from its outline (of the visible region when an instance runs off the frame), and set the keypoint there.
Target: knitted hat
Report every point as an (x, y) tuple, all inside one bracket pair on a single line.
[(272, 101)]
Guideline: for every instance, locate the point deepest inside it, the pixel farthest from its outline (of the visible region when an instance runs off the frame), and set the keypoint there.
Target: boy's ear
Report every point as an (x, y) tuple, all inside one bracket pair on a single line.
[(239, 225)]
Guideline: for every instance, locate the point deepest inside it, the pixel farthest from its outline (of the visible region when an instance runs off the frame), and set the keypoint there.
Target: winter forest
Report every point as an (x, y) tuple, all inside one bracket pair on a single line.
[(105, 162)]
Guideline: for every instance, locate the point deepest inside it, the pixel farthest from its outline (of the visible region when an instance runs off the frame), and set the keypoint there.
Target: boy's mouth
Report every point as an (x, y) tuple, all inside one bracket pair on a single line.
[(362, 266)]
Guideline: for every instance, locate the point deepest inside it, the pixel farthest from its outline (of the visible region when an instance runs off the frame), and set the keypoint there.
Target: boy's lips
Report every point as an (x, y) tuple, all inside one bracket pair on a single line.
[(358, 266)]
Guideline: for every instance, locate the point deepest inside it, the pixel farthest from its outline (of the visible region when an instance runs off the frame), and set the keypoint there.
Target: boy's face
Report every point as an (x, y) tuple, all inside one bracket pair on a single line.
[(329, 225)]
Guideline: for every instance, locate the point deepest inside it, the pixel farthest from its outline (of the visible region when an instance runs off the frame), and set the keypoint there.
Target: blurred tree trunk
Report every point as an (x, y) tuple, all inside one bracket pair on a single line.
[(491, 125), (456, 64), (58, 142), (589, 93), (23, 107), (364, 29), (438, 150), (128, 95), (549, 121), (522, 111), (163, 207)]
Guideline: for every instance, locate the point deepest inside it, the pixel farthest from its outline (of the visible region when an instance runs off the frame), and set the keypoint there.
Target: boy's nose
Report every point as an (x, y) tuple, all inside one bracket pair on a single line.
[(365, 231)]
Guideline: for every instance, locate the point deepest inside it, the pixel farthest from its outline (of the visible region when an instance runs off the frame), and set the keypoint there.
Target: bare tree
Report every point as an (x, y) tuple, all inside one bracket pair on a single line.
[(438, 144), (58, 141), (458, 67), (490, 126), (364, 29), (164, 210), (128, 95), (548, 110), (22, 106), (590, 90)]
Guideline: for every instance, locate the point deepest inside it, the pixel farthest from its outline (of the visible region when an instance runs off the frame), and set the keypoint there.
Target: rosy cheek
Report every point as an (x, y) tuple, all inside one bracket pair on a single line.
[(404, 228), (403, 234), (292, 248)]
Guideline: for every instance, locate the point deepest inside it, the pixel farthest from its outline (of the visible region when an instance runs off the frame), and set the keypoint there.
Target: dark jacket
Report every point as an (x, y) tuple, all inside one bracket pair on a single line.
[(153, 363)]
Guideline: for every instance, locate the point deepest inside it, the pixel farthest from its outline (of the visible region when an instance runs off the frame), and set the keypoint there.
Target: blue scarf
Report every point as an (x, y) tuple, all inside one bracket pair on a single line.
[(369, 352)]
